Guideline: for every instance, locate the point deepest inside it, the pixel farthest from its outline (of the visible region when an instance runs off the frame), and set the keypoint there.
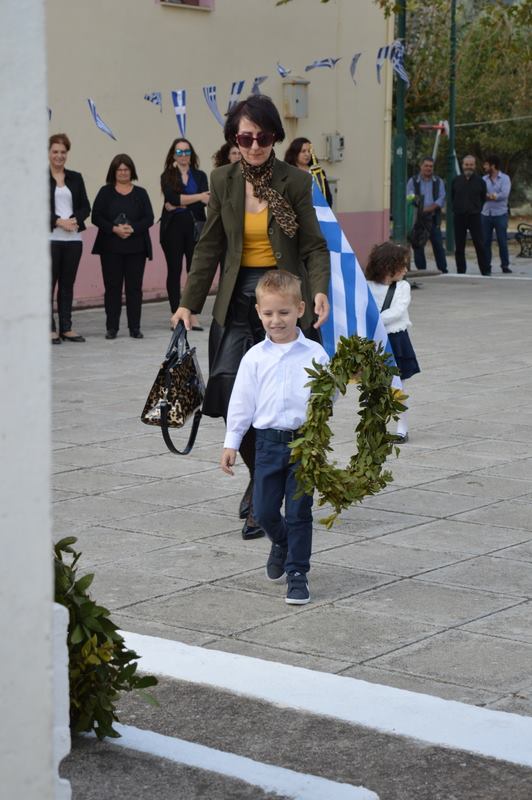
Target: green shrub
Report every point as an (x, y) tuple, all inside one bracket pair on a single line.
[(100, 666)]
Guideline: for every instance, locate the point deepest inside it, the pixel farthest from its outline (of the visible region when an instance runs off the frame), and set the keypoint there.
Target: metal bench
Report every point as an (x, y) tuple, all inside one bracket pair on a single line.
[(524, 237)]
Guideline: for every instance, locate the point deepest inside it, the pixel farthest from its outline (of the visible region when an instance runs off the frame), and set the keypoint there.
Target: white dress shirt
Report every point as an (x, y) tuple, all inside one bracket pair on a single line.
[(396, 317), (269, 390)]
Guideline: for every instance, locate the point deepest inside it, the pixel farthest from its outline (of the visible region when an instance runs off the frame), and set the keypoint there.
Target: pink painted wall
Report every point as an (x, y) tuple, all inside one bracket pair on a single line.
[(362, 229)]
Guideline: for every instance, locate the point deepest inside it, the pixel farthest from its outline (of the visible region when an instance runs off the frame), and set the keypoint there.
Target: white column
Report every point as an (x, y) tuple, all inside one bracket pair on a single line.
[(25, 535)]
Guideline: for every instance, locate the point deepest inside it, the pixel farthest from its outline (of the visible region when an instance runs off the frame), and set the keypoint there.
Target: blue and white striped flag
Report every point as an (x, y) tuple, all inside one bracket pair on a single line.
[(383, 54), (353, 67), (353, 308), (209, 93), (255, 89), (397, 58), (156, 98), (323, 62), (179, 101), (283, 71), (236, 91), (99, 121)]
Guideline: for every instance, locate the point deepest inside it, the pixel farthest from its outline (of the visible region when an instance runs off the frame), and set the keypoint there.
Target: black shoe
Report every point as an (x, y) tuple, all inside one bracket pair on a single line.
[(245, 503), (136, 334), (506, 269), (198, 328), (56, 340), (297, 593), (77, 338), (111, 334), (275, 563), (252, 529)]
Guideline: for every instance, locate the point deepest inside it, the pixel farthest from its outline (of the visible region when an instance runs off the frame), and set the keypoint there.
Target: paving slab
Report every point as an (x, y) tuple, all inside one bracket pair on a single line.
[(463, 537), (487, 572)]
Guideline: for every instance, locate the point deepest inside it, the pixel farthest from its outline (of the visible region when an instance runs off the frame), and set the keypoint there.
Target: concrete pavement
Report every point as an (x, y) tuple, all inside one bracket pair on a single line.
[(426, 587)]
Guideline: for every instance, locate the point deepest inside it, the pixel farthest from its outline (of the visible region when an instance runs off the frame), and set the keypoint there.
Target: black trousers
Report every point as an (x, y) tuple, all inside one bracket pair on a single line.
[(65, 262), (177, 241), (463, 223), (121, 269)]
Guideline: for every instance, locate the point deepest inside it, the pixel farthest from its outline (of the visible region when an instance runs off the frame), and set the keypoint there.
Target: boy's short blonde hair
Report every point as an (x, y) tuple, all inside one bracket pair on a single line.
[(279, 281)]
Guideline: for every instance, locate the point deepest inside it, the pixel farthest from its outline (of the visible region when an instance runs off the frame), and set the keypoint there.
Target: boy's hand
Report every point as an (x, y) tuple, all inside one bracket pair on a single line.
[(228, 460)]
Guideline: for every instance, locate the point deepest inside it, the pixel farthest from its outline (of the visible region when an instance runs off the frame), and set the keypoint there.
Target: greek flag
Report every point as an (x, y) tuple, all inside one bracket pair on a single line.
[(179, 101), (255, 89), (236, 90), (353, 309), (99, 121), (353, 67), (322, 62), (383, 54), (209, 93), (49, 113), (156, 98), (283, 71), (397, 58)]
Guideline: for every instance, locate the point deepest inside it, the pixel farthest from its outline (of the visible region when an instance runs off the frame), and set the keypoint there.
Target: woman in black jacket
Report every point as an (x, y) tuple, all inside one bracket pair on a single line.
[(185, 190), (123, 214), (69, 208)]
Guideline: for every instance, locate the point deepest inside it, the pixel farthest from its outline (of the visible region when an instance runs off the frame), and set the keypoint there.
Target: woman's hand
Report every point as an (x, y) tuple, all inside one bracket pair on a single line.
[(169, 207), (203, 197), (123, 231), (321, 309), (70, 225), (228, 460), (182, 315)]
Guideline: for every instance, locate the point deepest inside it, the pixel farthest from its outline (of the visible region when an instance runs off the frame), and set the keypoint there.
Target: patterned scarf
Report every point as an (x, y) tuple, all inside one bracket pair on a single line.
[(260, 178)]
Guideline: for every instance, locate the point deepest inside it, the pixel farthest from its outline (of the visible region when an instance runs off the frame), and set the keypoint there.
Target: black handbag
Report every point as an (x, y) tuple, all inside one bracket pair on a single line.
[(177, 392)]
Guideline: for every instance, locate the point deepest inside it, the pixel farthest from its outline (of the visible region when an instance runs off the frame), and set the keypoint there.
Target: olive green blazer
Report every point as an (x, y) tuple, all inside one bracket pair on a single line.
[(305, 255)]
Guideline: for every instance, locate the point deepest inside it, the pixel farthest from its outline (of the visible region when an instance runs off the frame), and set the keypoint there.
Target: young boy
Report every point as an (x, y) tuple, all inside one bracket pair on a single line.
[(269, 393)]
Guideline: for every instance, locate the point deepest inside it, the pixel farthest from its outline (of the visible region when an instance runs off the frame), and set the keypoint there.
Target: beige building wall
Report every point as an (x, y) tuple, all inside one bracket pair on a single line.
[(115, 51)]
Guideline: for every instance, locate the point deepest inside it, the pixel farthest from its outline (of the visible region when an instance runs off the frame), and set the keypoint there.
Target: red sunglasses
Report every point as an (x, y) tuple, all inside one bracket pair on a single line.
[(263, 139)]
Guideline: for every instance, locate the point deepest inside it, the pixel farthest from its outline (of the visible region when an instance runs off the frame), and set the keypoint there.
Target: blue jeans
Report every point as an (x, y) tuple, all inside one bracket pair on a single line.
[(500, 223), (437, 248), (274, 482)]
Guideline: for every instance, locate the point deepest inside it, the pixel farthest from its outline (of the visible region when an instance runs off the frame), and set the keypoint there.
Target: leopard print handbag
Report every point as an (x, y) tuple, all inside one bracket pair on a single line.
[(177, 392)]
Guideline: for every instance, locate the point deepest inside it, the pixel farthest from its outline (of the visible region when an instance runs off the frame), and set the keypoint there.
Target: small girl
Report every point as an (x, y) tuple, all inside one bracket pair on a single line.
[(388, 264)]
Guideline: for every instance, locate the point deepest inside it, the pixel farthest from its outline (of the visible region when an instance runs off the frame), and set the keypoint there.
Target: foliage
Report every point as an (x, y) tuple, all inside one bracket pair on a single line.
[(99, 664), (356, 360)]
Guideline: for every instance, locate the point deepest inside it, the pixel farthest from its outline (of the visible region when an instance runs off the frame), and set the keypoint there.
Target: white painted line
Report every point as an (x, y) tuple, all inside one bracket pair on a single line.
[(447, 723), (286, 782)]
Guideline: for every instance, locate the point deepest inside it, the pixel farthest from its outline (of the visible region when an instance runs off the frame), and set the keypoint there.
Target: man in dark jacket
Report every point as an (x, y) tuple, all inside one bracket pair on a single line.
[(468, 192)]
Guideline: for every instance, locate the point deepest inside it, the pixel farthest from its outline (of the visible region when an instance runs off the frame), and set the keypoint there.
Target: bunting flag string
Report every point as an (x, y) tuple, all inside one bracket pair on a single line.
[(255, 89), (323, 62), (353, 308), (283, 71), (236, 91), (209, 93), (179, 101), (49, 113), (353, 66), (99, 121), (156, 98)]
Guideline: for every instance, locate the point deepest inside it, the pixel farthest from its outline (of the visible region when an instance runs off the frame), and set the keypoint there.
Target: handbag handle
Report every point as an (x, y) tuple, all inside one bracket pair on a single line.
[(166, 434)]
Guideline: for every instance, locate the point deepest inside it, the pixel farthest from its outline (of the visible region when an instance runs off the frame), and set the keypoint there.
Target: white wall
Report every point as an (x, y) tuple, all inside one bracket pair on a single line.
[(25, 560)]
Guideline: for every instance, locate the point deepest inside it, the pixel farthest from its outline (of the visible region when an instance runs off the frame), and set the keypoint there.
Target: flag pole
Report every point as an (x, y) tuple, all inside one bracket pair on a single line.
[(451, 164), (399, 143)]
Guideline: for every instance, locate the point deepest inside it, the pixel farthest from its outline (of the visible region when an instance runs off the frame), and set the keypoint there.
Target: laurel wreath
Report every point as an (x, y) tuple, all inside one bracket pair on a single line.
[(360, 361)]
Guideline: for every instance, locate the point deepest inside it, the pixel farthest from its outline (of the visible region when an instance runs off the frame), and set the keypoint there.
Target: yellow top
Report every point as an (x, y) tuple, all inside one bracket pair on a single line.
[(257, 250)]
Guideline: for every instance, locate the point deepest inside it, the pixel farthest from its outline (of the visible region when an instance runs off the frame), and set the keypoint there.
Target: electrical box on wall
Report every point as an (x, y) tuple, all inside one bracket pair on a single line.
[(334, 143), (295, 98)]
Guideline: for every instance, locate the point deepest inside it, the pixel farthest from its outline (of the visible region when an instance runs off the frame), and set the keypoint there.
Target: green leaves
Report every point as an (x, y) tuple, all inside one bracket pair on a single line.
[(362, 362), (100, 666)]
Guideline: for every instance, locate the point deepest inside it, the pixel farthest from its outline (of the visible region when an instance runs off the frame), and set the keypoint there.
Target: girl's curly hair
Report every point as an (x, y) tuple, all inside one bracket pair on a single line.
[(386, 259)]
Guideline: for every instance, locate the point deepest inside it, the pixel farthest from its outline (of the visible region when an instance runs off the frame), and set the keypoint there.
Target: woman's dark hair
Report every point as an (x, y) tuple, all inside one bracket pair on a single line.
[(121, 158), (221, 156), (259, 109), (386, 259), (294, 149), (59, 138), (171, 175)]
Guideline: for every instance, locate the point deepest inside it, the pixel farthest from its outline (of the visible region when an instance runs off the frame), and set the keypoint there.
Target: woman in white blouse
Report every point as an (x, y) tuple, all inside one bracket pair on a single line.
[(69, 208)]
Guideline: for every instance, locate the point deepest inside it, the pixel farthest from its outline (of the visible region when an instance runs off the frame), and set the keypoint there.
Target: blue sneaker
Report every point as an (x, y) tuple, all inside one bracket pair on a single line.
[(275, 563), (297, 593)]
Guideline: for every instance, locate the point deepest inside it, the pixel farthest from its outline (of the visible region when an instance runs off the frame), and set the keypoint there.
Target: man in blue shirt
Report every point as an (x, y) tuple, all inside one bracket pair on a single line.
[(495, 210), (430, 195)]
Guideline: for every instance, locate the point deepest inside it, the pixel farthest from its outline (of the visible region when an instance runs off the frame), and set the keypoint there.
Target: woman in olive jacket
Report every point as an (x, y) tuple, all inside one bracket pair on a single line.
[(260, 213)]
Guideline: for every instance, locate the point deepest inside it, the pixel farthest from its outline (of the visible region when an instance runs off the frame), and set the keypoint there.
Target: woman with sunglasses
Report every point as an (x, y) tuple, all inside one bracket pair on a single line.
[(185, 191), (261, 210)]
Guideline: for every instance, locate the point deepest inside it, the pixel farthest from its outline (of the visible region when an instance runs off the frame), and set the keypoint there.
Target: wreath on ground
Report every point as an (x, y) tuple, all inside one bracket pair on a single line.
[(364, 363)]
